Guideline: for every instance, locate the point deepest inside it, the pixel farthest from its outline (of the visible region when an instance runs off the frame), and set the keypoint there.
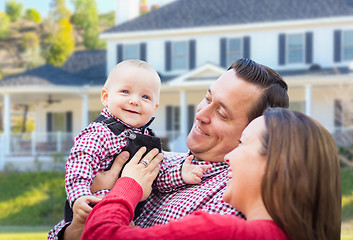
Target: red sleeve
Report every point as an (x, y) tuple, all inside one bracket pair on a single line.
[(110, 219)]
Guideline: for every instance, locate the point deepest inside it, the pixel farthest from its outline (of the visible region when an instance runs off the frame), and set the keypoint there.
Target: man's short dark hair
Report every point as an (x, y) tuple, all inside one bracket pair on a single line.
[(274, 88)]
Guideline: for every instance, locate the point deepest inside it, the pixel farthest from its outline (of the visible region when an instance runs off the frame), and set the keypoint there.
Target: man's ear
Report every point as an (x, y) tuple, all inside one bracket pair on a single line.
[(104, 97)]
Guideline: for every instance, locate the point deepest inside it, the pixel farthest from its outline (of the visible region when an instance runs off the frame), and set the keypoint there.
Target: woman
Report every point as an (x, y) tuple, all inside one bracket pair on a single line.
[(284, 176)]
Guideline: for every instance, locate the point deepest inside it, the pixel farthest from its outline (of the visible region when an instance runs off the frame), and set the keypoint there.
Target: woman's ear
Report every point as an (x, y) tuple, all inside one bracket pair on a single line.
[(104, 97)]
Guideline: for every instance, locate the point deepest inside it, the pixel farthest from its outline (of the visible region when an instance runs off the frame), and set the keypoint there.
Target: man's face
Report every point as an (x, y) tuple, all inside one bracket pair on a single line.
[(221, 117)]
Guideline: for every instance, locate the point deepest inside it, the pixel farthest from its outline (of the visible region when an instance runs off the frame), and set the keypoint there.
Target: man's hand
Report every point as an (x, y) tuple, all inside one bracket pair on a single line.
[(192, 174), (107, 179), (81, 208)]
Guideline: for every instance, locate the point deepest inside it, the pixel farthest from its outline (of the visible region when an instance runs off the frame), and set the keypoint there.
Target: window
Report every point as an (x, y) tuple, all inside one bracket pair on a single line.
[(131, 51), (297, 106), (173, 121), (180, 55), (59, 122), (92, 115), (347, 45), (295, 48), (234, 50)]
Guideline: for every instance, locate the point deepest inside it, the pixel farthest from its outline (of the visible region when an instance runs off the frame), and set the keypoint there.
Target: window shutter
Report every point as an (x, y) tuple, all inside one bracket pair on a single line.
[(119, 53), (282, 49), (192, 54), (309, 47), (68, 121), (143, 51), (246, 47), (338, 113), (223, 53), (49, 122), (337, 46), (191, 116), (169, 116), (168, 56)]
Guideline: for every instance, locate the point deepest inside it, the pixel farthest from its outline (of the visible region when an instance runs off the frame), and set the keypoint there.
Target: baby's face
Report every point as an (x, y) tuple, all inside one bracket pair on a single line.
[(132, 95)]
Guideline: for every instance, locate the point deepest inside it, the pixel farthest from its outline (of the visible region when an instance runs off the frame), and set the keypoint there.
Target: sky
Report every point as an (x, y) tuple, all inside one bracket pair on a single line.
[(43, 5)]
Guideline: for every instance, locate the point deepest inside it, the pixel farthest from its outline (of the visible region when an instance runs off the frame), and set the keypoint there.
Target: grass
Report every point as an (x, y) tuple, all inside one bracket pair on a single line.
[(35, 199)]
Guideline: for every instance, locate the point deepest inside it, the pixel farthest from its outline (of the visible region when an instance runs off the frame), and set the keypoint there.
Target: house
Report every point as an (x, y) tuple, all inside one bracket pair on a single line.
[(191, 43)]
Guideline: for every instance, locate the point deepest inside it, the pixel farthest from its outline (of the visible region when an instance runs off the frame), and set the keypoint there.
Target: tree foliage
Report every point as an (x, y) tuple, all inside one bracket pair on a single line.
[(4, 25), (33, 15), (13, 10), (30, 40), (59, 10), (62, 43), (86, 18)]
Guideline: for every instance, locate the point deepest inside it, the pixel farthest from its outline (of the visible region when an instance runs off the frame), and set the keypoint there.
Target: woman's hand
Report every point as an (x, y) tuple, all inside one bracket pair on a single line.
[(107, 179), (145, 170)]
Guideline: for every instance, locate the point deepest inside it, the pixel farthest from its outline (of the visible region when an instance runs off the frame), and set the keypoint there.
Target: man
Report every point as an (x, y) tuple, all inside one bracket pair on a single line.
[(238, 96)]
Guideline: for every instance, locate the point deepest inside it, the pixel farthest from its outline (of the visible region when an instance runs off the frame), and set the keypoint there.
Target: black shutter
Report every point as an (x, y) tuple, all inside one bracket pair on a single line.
[(223, 53), (49, 122), (68, 121), (338, 113), (143, 51), (192, 54), (169, 118), (337, 45), (246, 47), (168, 56), (191, 116), (119, 53), (309, 47), (282, 49)]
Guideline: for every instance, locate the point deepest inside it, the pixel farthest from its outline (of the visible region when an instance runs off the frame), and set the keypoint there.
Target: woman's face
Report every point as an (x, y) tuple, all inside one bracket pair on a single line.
[(247, 167)]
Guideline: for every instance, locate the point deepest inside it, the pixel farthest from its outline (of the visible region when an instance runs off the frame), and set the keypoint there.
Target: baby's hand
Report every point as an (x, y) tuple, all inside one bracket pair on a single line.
[(83, 206), (192, 174)]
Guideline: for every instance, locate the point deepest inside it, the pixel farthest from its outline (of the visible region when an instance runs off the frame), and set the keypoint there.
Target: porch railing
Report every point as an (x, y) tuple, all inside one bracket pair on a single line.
[(39, 144)]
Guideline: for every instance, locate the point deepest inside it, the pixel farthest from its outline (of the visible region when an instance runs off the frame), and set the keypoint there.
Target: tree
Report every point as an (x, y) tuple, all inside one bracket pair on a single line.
[(33, 15), (13, 10), (86, 18), (32, 53), (62, 43), (4, 25), (59, 10)]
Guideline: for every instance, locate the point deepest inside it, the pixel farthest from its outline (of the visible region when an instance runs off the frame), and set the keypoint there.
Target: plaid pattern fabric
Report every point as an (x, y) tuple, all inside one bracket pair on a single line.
[(92, 152), (173, 199)]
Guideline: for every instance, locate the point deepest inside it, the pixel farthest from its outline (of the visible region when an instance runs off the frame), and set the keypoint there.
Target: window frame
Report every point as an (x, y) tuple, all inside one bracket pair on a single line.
[(344, 46), (185, 56), (290, 49)]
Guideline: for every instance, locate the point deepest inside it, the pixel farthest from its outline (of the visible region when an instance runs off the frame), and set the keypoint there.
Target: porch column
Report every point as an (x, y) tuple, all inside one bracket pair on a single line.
[(7, 122), (308, 99), (180, 145), (85, 110)]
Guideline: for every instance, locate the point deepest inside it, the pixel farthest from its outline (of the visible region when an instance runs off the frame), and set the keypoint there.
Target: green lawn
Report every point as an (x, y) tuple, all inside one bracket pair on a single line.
[(37, 199)]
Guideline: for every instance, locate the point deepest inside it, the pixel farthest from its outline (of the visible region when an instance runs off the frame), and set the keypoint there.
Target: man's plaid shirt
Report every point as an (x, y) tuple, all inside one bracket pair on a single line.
[(172, 199)]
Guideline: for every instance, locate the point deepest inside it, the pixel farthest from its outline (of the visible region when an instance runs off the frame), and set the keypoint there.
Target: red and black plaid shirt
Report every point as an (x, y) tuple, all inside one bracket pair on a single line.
[(171, 198)]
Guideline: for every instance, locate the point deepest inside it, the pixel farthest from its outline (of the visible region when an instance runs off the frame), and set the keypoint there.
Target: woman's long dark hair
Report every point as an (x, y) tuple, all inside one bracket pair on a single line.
[(301, 186)]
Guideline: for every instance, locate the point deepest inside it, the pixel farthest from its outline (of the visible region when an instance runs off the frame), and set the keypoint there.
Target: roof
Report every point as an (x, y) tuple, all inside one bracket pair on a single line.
[(202, 13), (90, 64), (43, 76)]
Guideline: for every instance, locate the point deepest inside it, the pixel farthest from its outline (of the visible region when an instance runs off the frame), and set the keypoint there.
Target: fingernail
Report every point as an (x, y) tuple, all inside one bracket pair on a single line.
[(125, 155)]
